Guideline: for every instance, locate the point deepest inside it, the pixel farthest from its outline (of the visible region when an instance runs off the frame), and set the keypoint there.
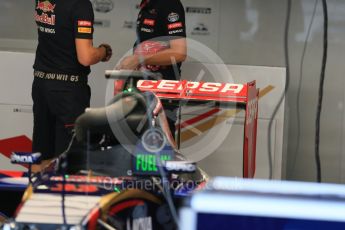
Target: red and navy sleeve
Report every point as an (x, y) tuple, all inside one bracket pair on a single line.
[(173, 17), (83, 18)]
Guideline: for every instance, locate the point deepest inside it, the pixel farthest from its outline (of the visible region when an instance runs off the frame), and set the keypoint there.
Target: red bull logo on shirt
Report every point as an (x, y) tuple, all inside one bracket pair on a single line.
[(45, 6), (44, 18)]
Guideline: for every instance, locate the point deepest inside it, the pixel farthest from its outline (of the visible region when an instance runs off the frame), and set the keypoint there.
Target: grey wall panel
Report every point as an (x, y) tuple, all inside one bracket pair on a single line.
[(301, 163), (17, 19), (252, 32), (202, 19)]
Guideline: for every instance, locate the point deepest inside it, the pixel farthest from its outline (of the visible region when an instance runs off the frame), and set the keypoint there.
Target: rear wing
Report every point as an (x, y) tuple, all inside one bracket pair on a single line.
[(199, 91), (246, 95)]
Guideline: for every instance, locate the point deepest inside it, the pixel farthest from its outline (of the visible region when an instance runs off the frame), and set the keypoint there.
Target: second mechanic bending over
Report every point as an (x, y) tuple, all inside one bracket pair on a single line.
[(161, 44)]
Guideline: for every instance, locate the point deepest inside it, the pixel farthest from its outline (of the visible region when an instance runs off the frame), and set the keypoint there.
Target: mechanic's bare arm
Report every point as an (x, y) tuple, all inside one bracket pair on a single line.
[(175, 54), (88, 54)]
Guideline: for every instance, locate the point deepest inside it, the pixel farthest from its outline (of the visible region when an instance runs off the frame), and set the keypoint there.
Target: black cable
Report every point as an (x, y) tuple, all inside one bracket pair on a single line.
[(63, 196), (287, 82), (63, 165), (29, 174), (320, 98), (179, 126), (299, 90), (167, 191)]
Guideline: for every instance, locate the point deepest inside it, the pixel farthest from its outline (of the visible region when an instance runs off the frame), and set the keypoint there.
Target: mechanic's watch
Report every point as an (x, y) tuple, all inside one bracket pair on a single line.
[(108, 52)]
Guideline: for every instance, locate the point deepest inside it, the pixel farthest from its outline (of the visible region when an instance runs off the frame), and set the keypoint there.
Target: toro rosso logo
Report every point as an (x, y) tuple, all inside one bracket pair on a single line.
[(45, 6)]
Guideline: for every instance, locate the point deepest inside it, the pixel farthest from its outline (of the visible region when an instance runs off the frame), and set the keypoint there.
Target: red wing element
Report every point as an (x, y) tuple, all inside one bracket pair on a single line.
[(201, 91), (250, 131)]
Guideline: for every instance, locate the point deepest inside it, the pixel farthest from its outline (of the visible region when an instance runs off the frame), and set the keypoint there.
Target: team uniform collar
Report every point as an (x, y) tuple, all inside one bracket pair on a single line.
[(144, 3), (147, 3)]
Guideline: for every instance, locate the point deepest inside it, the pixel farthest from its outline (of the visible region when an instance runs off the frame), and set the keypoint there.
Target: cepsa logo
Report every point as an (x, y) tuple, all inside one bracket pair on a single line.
[(45, 6), (195, 87)]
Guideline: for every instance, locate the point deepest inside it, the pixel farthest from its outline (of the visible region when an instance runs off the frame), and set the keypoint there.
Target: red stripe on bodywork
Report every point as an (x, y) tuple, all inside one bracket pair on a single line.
[(124, 205), (12, 173), (94, 215), (15, 144), (199, 118)]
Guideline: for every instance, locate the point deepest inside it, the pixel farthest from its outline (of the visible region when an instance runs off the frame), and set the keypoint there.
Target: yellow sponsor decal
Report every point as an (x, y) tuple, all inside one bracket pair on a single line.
[(84, 30)]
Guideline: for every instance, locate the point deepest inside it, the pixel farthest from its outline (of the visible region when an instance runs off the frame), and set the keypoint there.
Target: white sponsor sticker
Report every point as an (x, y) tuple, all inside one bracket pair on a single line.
[(173, 17), (147, 30), (176, 31)]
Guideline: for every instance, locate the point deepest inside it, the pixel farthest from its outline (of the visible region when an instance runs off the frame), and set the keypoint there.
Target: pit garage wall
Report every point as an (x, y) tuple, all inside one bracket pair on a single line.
[(244, 32), (224, 160)]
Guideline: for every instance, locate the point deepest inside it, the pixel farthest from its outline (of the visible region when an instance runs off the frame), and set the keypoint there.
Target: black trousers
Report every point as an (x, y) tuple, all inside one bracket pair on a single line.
[(56, 106)]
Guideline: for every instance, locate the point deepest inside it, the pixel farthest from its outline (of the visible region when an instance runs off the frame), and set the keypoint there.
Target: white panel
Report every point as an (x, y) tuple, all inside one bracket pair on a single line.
[(16, 78), (247, 197), (16, 120), (253, 206), (227, 160), (187, 219)]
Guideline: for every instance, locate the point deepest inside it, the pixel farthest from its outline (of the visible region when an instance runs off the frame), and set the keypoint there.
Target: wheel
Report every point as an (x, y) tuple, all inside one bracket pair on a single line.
[(136, 210)]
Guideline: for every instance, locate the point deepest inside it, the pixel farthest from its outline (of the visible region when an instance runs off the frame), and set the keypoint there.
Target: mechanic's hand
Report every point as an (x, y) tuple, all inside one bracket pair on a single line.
[(129, 63), (108, 52)]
